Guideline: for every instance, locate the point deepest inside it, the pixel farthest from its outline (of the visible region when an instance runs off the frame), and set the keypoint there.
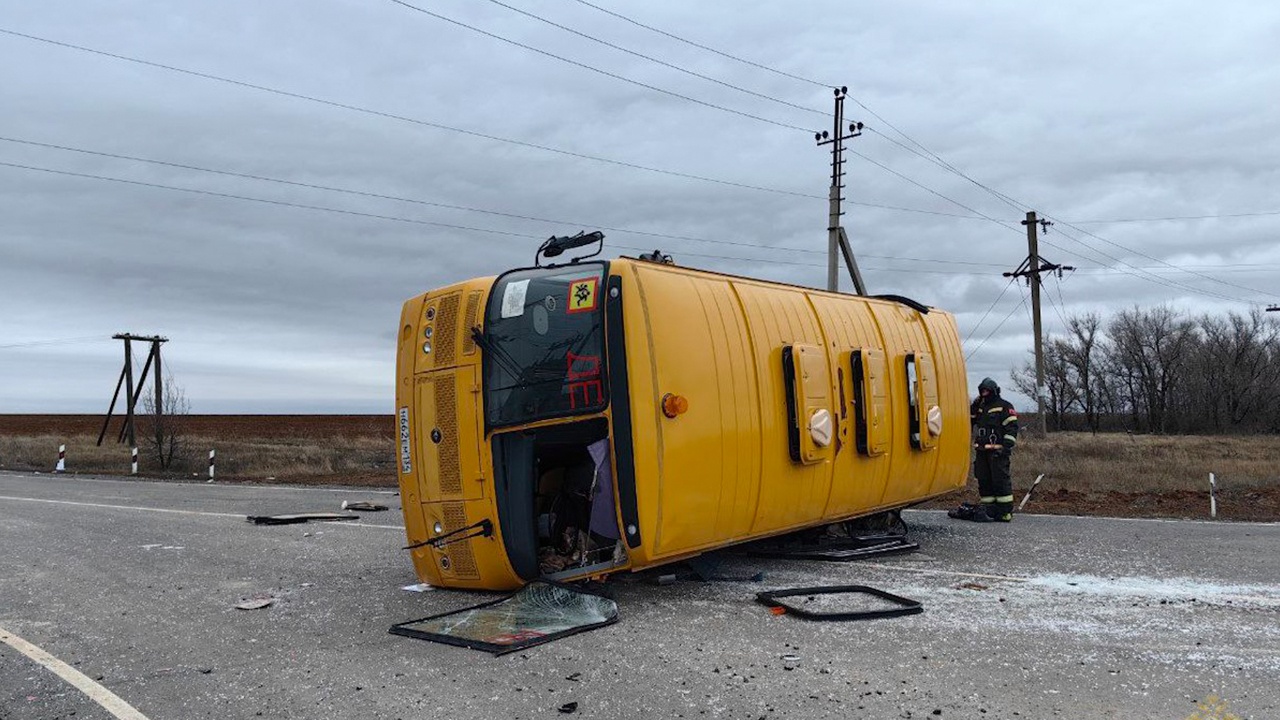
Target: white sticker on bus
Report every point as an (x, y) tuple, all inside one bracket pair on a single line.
[(406, 465), (513, 298)]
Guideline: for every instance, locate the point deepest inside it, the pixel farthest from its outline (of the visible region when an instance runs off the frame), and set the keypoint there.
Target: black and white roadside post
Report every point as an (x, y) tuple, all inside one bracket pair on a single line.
[(210, 466), (61, 467)]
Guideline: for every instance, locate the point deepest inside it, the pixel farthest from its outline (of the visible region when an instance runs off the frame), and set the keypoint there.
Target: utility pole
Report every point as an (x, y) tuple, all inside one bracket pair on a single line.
[(1031, 269), (837, 240), (133, 392)]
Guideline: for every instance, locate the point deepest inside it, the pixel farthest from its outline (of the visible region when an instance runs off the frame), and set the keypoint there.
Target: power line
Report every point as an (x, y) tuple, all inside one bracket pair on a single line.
[(395, 218), (56, 341), (415, 121), (996, 329), (450, 206), (657, 61), (988, 312), (599, 71), (929, 155), (721, 53), (792, 76), (1169, 264), (1176, 217)]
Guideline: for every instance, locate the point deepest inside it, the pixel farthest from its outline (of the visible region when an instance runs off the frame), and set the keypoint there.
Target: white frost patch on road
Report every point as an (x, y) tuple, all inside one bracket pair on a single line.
[(1219, 628), (1176, 589)]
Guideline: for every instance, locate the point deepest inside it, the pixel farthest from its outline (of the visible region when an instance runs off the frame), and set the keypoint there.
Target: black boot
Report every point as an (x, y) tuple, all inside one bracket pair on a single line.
[(982, 514), (963, 512)]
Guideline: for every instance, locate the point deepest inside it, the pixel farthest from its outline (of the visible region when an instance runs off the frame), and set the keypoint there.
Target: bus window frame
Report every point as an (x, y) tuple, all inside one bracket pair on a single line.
[(486, 361)]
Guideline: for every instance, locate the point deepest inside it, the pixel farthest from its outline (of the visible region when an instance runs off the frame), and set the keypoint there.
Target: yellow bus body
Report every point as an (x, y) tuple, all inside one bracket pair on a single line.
[(755, 362)]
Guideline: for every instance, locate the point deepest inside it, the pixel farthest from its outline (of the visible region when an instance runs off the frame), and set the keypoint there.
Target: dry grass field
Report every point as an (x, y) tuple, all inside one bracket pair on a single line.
[(1148, 475), (338, 449), (1106, 474)]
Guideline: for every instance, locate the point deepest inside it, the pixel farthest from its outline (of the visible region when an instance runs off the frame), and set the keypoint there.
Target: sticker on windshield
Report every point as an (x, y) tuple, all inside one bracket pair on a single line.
[(513, 298), (582, 295)]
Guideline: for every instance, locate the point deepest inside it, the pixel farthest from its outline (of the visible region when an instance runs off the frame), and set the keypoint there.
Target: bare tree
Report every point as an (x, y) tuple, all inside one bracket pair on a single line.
[(1081, 352), (165, 433), (1063, 395), (1149, 350)]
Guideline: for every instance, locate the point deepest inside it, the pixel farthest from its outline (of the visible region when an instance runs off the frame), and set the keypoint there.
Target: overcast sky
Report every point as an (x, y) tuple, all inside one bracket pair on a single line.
[(1083, 111)]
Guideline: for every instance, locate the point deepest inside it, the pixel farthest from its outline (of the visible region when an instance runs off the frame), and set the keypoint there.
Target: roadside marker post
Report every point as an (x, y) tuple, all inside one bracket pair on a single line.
[(1027, 497), (1213, 496), (134, 471), (62, 459), (210, 466)]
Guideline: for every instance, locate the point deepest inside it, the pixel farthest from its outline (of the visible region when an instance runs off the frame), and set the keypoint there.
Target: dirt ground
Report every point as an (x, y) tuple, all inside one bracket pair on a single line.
[(1110, 475)]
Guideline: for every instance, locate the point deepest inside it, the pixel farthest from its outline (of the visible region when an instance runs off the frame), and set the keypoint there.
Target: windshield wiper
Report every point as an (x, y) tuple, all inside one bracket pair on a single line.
[(499, 355)]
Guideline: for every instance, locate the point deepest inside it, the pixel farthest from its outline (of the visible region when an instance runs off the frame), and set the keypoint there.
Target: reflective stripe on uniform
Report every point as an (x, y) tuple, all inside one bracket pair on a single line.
[(1011, 438), (1011, 418), (987, 499), (996, 409), (1004, 498)]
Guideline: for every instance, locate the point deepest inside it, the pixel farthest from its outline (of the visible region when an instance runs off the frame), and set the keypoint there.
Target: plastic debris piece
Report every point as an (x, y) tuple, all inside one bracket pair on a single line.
[(569, 707), (363, 506), (897, 606), (255, 604), (778, 610), (419, 587)]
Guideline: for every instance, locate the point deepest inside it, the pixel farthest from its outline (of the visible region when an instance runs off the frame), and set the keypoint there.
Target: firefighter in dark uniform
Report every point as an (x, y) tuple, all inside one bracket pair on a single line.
[(995, 433)]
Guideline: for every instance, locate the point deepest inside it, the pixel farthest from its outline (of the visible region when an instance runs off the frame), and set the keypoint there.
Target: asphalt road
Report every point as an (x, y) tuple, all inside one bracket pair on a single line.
[(134, 584)]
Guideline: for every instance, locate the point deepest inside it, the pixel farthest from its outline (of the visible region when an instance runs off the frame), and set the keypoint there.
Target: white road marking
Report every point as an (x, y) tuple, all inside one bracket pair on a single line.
[(95, 692), (176, 512), (77, 478)]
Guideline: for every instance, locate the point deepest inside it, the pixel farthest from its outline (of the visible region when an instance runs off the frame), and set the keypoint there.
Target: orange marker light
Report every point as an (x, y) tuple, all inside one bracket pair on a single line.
[(673, 405)]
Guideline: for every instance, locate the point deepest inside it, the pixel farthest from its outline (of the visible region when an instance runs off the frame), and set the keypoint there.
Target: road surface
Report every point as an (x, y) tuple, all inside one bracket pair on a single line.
[(132, 585)]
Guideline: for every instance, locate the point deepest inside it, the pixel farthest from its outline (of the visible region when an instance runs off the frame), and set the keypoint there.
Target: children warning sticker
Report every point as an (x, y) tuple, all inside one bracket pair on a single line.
[(582, 295)]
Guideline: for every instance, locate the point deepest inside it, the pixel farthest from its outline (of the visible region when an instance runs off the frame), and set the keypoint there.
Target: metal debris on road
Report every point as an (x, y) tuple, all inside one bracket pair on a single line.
[(294, 518), (255, 603), (363, 506)]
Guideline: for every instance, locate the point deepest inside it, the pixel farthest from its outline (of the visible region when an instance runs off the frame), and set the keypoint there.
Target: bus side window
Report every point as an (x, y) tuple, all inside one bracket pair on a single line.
[(922, 399), (927, 402), (869, 401), (913, 402), (811, 427)]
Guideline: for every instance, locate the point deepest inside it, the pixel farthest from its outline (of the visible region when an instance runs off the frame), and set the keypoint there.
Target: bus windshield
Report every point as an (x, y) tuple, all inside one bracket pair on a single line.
[(544, 344)]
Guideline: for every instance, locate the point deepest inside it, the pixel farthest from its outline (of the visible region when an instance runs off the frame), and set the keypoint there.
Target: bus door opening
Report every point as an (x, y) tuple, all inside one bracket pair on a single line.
[(556, 496)]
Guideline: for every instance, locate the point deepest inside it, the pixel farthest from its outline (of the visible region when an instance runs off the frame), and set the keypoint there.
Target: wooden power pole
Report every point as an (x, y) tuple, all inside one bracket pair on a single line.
[(1031, 269), (837, 239), (131, 391)]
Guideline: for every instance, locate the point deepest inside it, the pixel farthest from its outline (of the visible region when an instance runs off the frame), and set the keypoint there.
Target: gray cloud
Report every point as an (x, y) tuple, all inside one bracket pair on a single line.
[(1086, 111)]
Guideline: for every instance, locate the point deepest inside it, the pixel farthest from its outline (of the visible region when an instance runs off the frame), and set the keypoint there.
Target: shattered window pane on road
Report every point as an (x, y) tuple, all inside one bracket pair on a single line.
[(539, 613)]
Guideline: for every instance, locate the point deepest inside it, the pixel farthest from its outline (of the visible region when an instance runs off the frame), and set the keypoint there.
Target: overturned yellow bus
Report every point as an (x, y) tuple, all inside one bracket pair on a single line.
[(576, 420)]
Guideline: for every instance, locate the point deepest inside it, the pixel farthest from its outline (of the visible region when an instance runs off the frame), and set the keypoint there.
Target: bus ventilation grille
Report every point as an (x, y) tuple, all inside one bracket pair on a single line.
[(447, 331), (473, 319), (462, 559), (447, 421)]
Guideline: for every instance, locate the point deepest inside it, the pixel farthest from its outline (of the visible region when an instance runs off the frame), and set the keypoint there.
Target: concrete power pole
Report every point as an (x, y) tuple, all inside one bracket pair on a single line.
[(1033, 257), (837, 240), (1031, 269)]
